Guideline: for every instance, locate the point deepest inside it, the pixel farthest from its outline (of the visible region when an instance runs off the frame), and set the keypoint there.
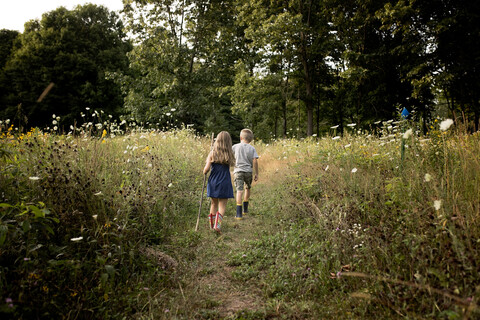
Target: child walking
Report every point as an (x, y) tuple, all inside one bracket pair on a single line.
[(219, 186), (246, 159)]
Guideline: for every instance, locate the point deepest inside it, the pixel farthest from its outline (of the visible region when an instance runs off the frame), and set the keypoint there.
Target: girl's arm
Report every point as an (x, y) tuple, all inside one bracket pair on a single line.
[(208, 163)]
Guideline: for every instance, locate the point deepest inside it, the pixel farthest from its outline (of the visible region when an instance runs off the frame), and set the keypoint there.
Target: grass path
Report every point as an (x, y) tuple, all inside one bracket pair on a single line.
[(209, 290)]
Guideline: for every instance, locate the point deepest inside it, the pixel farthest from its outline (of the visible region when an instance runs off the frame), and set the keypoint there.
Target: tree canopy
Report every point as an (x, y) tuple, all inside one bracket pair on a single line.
[(73, 50), (280, 67)]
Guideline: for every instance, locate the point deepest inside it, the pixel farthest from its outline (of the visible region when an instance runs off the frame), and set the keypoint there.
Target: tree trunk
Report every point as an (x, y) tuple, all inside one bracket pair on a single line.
[(308, 86), (318, 118), (476, 115), (276, 124), (306, 70)]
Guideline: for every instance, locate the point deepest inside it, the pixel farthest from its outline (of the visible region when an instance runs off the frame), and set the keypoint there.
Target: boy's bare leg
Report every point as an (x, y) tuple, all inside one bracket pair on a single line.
[(247, 195), (239, 196)]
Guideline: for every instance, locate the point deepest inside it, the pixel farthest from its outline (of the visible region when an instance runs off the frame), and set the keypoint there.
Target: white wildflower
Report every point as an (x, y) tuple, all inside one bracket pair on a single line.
[(437, 204), (354, 170), (408, 134), (428, 177), (445, 124), (170, 185), (34, 178)]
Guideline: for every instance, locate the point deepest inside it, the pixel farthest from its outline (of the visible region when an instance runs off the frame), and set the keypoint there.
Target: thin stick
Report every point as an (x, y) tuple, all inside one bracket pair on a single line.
[(203, 190), (45, 92)]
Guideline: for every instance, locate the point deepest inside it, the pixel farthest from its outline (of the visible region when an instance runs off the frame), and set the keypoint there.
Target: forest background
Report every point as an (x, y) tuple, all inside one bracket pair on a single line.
[(105, 124), (282, 68)]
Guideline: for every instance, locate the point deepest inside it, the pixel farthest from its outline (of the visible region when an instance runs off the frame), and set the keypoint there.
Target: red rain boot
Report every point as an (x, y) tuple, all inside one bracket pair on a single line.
[(211, 219), (218, 222)]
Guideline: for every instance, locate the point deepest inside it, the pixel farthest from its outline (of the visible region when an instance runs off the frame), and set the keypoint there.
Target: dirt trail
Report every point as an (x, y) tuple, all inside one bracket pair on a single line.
[(217, 283), (208, 280), (207, 287)]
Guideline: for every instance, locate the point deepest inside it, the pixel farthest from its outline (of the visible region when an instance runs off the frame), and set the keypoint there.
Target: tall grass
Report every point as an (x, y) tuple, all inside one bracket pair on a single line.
[(84, 218), (359, 228), (367, 234)]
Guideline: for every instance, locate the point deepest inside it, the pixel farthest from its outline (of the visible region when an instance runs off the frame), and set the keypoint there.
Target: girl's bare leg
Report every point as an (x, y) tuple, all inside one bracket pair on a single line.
[(213, 212), (214, 206), (222, 206)]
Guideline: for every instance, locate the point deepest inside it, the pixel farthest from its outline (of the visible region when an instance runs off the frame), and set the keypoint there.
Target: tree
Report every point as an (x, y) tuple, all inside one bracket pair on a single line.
[(184, 56), (72, 49), (455, 30), (8, 45), (295, 31), (377, 68)]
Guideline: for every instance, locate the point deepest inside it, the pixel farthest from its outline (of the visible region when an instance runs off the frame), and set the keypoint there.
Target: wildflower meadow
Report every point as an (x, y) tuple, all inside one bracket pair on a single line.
[(98, 221)]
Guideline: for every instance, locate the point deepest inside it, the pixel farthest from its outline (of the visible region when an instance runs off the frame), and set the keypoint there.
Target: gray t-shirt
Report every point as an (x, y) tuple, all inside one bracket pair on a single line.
[(244, 155)]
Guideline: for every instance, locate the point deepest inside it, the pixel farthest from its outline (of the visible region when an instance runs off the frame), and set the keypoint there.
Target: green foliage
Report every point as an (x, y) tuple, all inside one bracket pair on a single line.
[(383, 238), (73, 50), (180, 64), (84, 220)]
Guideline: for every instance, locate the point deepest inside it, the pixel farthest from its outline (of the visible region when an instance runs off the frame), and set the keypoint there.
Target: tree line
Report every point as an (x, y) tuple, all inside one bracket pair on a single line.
[(281, 67)]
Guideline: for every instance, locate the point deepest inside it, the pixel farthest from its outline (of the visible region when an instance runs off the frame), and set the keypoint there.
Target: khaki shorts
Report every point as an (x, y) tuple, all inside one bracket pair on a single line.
[(243, 179)]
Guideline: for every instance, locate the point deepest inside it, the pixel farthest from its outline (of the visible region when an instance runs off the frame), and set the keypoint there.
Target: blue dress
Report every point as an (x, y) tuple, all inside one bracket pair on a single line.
[(220, 182)]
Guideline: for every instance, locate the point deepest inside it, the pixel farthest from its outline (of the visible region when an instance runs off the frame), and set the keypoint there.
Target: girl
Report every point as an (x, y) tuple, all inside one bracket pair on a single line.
[(219, 187)]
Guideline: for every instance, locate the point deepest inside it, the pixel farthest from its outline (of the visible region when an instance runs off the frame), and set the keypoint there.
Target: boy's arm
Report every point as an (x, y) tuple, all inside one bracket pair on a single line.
[(255, 168)]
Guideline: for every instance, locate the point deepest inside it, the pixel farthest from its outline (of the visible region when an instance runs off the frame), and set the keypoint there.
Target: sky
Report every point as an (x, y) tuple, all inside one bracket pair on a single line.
[(14, 13)]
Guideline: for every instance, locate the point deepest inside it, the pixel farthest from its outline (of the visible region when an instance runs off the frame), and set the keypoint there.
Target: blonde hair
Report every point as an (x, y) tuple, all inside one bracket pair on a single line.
[(222, 149), (247, 135)]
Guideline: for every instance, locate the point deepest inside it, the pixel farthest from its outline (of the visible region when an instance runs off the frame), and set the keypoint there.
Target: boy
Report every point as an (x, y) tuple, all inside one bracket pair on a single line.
[(246, 162)]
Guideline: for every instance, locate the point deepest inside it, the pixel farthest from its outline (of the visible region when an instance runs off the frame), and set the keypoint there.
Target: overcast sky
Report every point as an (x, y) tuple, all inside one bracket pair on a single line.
[(14, 13)]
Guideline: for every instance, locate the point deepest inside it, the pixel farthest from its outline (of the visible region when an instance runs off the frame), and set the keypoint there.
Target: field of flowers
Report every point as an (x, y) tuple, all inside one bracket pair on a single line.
[(372, 225), (380, 224), (82, 216)]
